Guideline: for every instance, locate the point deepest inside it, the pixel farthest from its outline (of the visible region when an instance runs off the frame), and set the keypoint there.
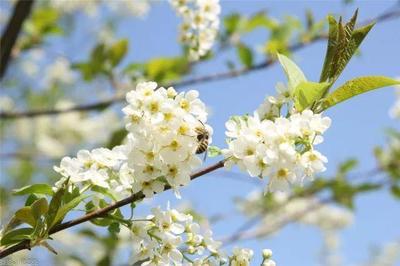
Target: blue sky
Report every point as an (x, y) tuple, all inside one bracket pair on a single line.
[(357, 126)]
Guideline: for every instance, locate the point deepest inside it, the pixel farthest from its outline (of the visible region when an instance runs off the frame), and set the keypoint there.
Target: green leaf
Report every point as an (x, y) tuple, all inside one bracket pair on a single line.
[(55, 204), (117, 51), (293, 72), (231, 23), (245, 55), (355, 87), (332, 39), (117, 137), (343, 42), (43, 189), (16, 236), (114, 228), (367, 187), (43, 21), (39, 208), (31, 199), (63, 210), (395, 191), (25, 215), (259, 19), (166, 69), (86, 70), (347, 166), (307, 93), (343, 193), (213, 151)]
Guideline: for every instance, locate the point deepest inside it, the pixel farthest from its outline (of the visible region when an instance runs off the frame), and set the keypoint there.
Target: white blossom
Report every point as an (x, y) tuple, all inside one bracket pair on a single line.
[(160, 148), (268, 144), (241, 257), (200, 24), (167, 235)]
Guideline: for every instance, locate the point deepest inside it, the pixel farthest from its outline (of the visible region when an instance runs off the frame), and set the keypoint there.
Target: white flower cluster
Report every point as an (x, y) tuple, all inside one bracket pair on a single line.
[(267, 261), (306, 210), (163, 125), (160, 149), (280, 147), (200, 24), (241, 256), (395, 111), (173, 238), (97, 167)]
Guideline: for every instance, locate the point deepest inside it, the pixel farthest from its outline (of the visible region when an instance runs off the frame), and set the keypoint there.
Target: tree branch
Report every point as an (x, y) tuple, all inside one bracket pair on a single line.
[(25, 244), (390, 14), (9, 37), (119, 98)]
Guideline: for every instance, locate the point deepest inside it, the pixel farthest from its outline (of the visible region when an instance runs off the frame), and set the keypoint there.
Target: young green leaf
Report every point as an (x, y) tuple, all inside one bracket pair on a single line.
[(307, 93), (39, 208), (25, 215), (343, 42), (31, 199), (63, 210), (213, 151), (117, 51), (395, 189), (16, 236), (43, 189), (259, 19), (346, 166), (166, 69), (55, 205), (245, 55), (231, 23), (293, 73), (355, 87)]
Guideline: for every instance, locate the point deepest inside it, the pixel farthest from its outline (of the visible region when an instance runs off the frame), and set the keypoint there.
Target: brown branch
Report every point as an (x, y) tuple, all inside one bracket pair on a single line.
[(390, 14), (119, 98), (9, 37), (25, 244)]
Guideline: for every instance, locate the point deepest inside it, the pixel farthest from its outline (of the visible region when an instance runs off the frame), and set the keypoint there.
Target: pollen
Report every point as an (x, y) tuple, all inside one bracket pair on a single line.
[(184, 104), (174, 145), (312, 157), (250, 151), (154, 107), (282, 173)]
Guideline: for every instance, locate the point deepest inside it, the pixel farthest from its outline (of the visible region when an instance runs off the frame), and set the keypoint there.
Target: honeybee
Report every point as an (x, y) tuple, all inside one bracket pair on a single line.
[(202, 137)]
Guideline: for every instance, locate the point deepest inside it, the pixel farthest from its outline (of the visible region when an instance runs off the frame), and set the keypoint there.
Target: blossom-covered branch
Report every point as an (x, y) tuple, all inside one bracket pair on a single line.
[(102, 212)]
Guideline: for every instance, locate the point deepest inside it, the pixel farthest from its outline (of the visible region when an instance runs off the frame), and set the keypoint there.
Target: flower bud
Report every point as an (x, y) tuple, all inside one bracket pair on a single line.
[(267, 253)]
